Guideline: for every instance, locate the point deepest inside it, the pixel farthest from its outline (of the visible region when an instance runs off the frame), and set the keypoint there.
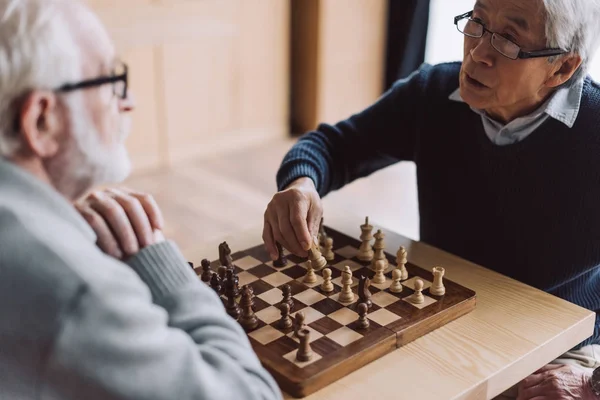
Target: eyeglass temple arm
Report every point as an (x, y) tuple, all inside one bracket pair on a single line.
[(463, 16), (542, 53)]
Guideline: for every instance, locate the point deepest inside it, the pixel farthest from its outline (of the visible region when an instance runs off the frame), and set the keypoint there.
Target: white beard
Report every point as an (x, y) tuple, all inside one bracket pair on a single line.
[(85, 161)]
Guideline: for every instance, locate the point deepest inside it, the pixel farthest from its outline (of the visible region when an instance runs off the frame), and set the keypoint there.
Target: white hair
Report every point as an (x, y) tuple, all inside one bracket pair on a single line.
[(37, 51), (574, 25)]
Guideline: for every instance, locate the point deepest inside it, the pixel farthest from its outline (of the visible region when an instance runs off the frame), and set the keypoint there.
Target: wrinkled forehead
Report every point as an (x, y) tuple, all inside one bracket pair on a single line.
[(528, 16), (95, 45)]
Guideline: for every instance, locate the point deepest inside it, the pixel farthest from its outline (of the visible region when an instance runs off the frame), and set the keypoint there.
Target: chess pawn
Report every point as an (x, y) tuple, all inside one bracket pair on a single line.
[(285, 322), (215, 283), (346, 295), (417, 297), (365, 251), (316, 258), (206, 272), (281, 258), (304, 353), (379, 277), (379, 248), (328, 249), (298, 322), (287, 296), (437, 288), (310, 276), (248, 319), (363, 321), (327, 286), (396, 286), (401, 261)]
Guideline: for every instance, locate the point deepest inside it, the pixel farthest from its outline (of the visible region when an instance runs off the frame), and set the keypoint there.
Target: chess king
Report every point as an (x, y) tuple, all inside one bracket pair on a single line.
[(493, 137), (96, 304)]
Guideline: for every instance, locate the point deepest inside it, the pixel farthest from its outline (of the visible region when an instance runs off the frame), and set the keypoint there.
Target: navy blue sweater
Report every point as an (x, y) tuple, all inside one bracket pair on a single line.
[(530, 210)]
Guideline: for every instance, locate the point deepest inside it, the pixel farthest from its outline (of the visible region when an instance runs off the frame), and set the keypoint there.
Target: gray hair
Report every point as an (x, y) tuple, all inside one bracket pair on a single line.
[(37, 51), (574, 25)]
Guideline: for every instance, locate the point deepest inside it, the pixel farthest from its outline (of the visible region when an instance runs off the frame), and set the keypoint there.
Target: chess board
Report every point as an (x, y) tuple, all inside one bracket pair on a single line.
[(339, 346)]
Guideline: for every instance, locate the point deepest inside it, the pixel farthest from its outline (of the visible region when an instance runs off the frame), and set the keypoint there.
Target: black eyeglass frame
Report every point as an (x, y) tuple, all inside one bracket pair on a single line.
[(522, 54), (103, 80)]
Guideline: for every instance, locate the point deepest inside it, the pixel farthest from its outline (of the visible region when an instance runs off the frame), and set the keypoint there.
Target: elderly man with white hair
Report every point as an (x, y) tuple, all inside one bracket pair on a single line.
[(507, 150), (77, 322)]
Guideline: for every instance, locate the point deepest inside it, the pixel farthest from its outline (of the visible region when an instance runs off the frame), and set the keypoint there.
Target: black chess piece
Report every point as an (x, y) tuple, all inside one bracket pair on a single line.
[(363, 321), (206, 271), (286, 290), (363, 291), (248, 319), (285, 322), (215, 283), (281, 259), (231, 292)]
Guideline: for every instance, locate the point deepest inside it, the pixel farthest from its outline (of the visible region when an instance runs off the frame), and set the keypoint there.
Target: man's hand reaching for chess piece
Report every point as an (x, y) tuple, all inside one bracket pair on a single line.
[(557, 382), (292, 218), (125, 221)]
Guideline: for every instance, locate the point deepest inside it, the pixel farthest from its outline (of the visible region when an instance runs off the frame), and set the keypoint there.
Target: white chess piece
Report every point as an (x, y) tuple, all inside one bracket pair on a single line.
[(327, 286), (379, 248), (310, 276), (315, 256), (417, 297), (379, 277), (437, 288), (401, 261), (365, 252), (328, 249), (346, 295), (396, 286)]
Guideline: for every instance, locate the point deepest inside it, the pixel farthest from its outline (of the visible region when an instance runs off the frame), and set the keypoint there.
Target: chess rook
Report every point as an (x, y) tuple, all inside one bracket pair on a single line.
[(304, 353), (437, 288), (365, 251)]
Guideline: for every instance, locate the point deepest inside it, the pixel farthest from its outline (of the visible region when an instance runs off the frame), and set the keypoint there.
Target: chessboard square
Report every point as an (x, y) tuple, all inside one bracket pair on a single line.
[(310, 314), (344, 336), (311, 285), (410, 283), (309, 297), (355, 326), (260, 304), (291, 356), (295, 259), (383, 299), (282, 346), (246, 278), (272, 296), (269, 314), (342, 265), (427, 302), (277, 279), (260, 287), (383, 317), (265, 335), (259, 252), (344, 316), (325, 325), (325, 346), (247, 262), (288, 265), (327, 306), (338, 281), (347, 251), (295, 287), (261, 270), (314, 335), (294, 271), (382, 286), (336, 289), (336, 297)]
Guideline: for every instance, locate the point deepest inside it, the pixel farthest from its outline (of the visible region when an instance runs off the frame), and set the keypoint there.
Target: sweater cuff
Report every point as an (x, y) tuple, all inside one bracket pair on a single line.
[(163, 268), (296, 172)]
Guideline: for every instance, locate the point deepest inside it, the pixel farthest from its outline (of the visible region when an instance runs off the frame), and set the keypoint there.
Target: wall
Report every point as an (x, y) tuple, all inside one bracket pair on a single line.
[(208, 76)]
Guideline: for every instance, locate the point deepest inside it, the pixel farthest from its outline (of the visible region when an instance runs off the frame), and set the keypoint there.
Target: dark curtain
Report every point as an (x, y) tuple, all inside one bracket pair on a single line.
[(406, 39)]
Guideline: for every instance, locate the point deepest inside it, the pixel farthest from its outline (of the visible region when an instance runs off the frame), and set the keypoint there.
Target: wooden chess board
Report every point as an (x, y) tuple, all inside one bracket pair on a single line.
[(338, 344)]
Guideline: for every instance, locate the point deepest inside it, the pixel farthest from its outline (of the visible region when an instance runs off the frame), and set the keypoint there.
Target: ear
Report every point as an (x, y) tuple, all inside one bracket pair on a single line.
[(564, 69), (40, 123)]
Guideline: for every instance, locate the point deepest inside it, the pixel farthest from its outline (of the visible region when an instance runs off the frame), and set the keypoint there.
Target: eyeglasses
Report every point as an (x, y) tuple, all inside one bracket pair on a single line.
[(475, 29), (118, 79)]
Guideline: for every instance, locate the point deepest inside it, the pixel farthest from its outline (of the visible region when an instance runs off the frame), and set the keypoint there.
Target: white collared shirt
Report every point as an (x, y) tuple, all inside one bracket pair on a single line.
[(563, 106)]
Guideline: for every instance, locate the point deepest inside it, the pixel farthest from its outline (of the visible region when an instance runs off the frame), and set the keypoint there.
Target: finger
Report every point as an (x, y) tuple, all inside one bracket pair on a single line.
[(137, 216), (105, 237), (315, 213), (117, 220), (277, 235), (533, 392), (532, 380), (298, 221), (289, 236), (548, 367), (269, 240), (151, 207)]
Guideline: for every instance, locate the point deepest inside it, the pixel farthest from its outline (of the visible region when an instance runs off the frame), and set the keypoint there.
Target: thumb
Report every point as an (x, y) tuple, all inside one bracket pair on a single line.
[(315, 214)]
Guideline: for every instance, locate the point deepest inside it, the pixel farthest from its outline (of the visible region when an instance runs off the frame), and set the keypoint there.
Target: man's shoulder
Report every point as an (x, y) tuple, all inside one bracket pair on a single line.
[(434, 80)]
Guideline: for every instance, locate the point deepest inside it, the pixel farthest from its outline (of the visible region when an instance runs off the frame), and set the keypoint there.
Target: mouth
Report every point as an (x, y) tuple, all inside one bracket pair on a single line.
[(474, 82)]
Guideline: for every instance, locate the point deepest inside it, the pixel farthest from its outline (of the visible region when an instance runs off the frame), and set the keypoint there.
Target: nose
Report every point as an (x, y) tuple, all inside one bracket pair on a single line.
[(482, 52), (127, 104)]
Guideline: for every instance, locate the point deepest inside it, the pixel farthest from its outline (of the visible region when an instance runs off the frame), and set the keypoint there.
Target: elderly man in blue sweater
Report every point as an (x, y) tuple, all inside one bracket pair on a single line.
[(507, 149), (132, 321)]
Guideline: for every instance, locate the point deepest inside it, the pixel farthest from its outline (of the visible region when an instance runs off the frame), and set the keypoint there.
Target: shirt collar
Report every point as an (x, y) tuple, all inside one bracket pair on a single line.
[(563, 105)]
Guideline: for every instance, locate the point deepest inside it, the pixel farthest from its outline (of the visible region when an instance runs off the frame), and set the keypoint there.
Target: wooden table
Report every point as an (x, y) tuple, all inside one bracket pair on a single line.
[(514, 330)]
